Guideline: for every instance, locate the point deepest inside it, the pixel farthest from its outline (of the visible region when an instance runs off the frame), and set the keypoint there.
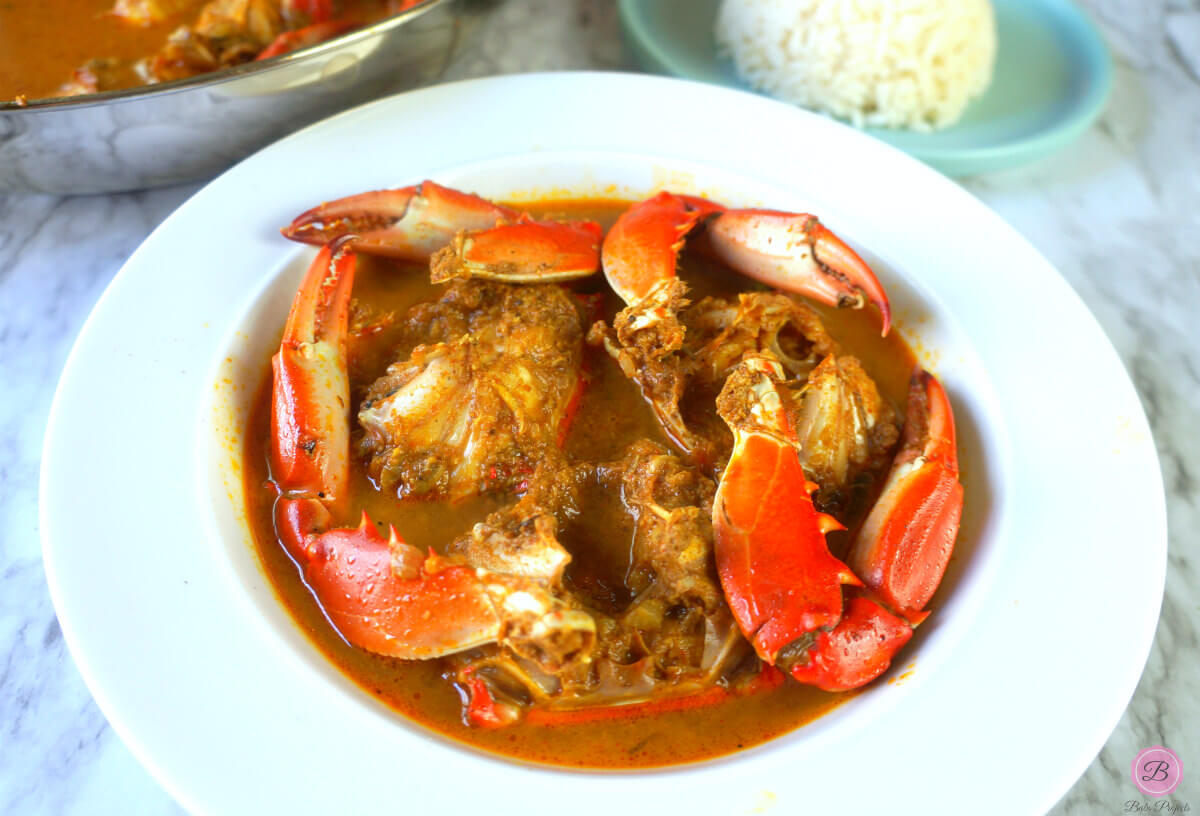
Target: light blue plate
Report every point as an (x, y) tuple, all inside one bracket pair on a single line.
[(1053, 76)]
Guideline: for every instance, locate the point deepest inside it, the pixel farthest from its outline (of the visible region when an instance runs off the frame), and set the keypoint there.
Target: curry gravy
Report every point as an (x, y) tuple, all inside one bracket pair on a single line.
[(611, 416), (43, 41)]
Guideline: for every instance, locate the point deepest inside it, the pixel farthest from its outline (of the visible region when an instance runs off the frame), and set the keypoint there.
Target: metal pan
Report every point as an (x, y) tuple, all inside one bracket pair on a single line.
[(189, 129)]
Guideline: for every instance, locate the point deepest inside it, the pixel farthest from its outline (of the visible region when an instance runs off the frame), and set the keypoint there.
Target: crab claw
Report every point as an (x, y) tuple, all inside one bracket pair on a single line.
[(778, 575), (640, 249), (782, 583), (410, 223), (525, 252), (856, 651), (385, 596), (310, 400), (904, 545), (388, 597), (795, 252)]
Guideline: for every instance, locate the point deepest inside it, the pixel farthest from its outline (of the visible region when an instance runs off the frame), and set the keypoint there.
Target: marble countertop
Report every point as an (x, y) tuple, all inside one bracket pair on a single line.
[(1117, 214)]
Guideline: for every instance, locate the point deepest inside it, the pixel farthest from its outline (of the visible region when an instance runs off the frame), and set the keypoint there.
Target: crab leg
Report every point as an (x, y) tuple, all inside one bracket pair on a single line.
[(904, 545), (782, 583), (382, 594)]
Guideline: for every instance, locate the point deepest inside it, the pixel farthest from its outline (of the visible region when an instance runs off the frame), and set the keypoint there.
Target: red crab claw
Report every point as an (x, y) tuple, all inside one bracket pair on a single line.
[(790, 251), (903, 547), (385, 596), (856, 651), (310, 400), (525, 252), (782, 584), (410, 223), (779, 578), (640, 249), (794, 251)]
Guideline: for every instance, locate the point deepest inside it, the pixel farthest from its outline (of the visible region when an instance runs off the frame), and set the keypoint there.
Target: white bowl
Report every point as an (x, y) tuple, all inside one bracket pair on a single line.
[(1038, 636)]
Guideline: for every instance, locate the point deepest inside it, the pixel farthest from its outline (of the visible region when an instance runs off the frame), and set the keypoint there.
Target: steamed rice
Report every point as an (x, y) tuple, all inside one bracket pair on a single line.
[(888, 63)]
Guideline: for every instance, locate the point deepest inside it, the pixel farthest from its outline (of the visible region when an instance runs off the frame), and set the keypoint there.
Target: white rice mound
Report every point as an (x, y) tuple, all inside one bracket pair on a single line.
[(885, 63)]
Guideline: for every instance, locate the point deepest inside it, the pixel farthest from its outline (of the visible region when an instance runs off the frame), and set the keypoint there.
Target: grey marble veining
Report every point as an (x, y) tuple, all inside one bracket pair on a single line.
[(1117, 214)]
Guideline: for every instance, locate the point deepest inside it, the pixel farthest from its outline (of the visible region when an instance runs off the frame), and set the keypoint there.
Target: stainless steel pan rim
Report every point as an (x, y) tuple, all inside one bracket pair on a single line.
[(193, 128), (225, 74)]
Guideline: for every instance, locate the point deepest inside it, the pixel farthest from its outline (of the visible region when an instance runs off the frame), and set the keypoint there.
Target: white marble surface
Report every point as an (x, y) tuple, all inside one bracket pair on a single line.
[(1118, 214)]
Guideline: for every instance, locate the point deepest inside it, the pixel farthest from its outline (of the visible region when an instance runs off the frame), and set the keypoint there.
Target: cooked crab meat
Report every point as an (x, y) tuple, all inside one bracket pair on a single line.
[(644, 340), (679, 353), (671, 504), (522, 538), (100, 74), (675, 628), (478, 412), (671, 634), (227, 32), (845, 431), (231, 32), (757, 322)]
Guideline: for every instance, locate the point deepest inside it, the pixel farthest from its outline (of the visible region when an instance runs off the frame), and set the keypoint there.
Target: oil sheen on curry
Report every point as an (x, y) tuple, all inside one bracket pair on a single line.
[(52, 48), (598, 484)]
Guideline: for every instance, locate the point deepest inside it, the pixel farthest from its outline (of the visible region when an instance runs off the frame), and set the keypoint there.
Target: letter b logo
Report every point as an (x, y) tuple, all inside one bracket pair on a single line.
[(1157, 771)]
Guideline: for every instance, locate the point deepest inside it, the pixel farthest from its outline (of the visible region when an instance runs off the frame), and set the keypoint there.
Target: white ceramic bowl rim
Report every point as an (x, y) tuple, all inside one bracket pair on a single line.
[(1019, 677)]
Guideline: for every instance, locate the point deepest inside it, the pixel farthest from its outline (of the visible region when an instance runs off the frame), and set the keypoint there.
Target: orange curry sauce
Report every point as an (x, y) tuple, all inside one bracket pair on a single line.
[(42, 42), (611, 417)]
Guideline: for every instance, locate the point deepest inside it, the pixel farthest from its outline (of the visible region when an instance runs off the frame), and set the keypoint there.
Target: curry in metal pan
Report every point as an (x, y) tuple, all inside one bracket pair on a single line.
[(52, 48)]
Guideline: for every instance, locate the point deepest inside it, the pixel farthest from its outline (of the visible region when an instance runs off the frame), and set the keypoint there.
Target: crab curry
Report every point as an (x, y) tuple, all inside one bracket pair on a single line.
[(552, 487)]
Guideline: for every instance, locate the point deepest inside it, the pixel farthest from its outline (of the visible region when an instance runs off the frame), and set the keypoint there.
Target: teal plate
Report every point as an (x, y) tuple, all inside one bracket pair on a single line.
[(1053, 76)]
